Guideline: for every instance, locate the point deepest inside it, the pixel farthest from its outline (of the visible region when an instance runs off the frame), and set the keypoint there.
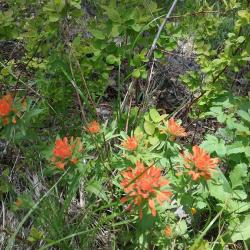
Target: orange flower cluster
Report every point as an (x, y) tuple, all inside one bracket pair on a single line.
[(6, 103), (64, 152), (168, 231), (130, 144), (144, 185), (93, 127), (174, 129), (200, 163)]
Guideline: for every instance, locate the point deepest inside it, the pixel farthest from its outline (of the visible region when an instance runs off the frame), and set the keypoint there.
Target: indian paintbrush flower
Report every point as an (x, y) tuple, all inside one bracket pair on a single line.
[(143, 185)]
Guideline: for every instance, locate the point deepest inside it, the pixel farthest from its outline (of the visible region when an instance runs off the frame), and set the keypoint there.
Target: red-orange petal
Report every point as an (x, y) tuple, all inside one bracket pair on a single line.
[(151, 204)]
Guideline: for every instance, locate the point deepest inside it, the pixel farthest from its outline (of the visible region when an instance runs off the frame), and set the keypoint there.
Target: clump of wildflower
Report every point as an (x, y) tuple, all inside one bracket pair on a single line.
[(130, 143), (168, 231), (6, 103), (143, 185), (200, 164), (174, 129), (62, 148), (64, 152), (93, 127)]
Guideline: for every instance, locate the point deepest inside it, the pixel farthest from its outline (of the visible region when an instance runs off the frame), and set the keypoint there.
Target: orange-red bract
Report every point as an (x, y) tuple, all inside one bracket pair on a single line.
[(130, 143), (62, 148), (174, 129), (93, 127), (63, 152), (200, 163), (168, 231), (5, 107), (143, 185)]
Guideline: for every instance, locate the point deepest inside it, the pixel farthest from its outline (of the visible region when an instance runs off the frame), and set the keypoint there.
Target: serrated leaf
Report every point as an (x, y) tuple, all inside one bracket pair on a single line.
[(219, 186), (212, 144), (201, 204), (243, 230), (235, 148), (239, 195), (237, 174), (235, 206)]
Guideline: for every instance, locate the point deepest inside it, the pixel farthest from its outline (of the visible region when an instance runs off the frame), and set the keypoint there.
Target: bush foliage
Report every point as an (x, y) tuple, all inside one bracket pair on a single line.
[(90, 159)]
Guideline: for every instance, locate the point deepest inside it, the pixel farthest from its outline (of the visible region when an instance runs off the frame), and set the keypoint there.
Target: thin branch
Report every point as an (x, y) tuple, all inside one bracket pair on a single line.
[(85, 84), (161, 28), (77, 94)]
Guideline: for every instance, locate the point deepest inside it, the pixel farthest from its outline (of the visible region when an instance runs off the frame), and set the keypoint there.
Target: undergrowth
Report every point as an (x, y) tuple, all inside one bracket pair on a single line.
[(90, 158)]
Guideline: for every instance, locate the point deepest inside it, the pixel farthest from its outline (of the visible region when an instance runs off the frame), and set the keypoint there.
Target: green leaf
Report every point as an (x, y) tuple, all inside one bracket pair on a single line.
[(136, 27), (116, 30), (181, 228), (153, 140), (97, 34), (149, 127), (138, 132), (212, 144), (239, 195), (235, 148), (219, 187), (96, 188), (136, 73), (53, 19), (202, 245), (237, 174), (237, 206), (113, 15), (243, 114), (5, 71), (111, 59), (244, 14), (144, 74), (35, 235), (155, 116), (243, 230), (201, 204), (75, 4), (241, 39)]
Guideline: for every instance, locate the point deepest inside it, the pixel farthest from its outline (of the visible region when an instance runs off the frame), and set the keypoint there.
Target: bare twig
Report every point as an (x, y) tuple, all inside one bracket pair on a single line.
[(160, 29), (85, 84), (131, 85), (129, 109), (77, 94)]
